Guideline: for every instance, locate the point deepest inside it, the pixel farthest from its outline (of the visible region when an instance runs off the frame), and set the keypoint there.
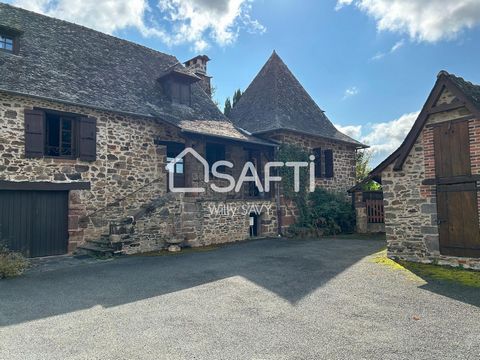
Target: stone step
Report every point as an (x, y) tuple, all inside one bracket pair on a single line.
[(94, 250), (100, 243)]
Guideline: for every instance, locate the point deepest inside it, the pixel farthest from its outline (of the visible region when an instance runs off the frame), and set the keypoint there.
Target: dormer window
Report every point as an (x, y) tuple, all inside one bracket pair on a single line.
[(177, 84), (9, 39), (6, 43), (181, 93)]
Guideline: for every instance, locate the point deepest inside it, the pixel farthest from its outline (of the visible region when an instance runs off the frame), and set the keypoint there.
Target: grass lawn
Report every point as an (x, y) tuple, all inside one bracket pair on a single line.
[(460, 276)]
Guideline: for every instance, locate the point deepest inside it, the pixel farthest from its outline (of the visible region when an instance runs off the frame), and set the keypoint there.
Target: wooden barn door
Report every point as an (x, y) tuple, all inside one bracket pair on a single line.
[(34, 222), (457, 195)]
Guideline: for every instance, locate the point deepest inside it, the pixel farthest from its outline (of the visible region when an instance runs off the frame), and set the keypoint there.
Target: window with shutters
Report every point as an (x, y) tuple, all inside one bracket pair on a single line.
[(60, 136), (328, 154), (323, 163), (63, 135), (318, 162), (181, 93)]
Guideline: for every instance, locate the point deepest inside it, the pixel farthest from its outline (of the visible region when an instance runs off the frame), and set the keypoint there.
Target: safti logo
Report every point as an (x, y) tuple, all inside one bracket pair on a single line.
[(249, 174)]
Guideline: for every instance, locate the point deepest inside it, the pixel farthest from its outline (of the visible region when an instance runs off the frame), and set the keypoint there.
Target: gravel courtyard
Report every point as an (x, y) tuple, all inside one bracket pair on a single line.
[(270, 299)]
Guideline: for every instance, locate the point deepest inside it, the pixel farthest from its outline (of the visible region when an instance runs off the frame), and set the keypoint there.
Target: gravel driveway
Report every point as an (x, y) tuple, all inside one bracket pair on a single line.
[(270, 299)]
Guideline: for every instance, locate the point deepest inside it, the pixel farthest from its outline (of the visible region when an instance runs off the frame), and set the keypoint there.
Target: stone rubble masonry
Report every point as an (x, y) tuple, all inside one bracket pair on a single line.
[(129, 172), (410, 207), (343, 158), (343, 168)]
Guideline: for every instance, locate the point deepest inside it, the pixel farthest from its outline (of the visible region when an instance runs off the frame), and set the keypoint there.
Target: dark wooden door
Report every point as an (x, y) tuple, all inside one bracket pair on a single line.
[(457, 209), (34, 222)]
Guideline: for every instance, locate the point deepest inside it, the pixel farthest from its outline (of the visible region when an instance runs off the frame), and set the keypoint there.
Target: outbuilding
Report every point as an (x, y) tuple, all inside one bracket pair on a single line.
[(430, 182)]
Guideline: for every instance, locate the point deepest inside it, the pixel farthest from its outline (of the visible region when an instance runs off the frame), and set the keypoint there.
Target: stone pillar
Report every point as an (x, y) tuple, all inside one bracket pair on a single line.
[(361, 213)]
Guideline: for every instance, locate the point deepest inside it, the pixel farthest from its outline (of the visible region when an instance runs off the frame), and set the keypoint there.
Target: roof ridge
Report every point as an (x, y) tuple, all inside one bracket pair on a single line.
[(88, 29), (276, 100)]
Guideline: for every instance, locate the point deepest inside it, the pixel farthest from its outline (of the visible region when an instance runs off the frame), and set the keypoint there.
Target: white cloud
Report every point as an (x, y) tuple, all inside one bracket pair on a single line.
[(351, 91), (386, 137), (383, 138), (354, 131), (196, 22), (422, 20), (395, 47), (342, 3)]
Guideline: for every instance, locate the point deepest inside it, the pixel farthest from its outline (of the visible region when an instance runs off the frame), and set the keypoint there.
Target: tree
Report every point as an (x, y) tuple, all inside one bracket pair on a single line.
[(228, 107), (213, 90), (363, 168), (362, 165), (236, 97)]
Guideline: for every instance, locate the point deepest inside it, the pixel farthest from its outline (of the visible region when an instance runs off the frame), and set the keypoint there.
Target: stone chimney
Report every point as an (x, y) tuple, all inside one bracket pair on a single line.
[(198, 65)]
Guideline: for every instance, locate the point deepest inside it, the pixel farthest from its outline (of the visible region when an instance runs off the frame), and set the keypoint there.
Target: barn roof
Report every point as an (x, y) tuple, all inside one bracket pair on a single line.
[(467, 94), (69, 63), (275, 100)]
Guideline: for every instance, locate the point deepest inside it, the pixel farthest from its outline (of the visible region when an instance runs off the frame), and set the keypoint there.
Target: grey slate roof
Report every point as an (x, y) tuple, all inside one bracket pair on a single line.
[(470, 90), (66, 62), (275, 100), (222, 129)]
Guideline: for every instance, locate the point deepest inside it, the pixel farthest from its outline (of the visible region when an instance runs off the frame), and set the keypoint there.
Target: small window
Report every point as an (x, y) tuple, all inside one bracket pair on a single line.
[(6, 43), (173, 150), (59, 136), (214, 153), (180, 93)]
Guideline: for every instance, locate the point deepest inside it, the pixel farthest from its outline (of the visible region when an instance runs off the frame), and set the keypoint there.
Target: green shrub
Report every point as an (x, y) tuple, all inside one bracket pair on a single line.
[(331, 212), (11, 263)]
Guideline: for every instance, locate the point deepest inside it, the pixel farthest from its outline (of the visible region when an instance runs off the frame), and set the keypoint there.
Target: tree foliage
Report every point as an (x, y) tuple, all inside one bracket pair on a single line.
[(230, 104), (363, 168), (227, 108), (236, 97), (291, 153)]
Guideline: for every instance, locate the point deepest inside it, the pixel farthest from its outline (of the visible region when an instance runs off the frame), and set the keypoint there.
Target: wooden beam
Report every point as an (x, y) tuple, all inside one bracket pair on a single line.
[(454, 121), (43, 186), (452, 180), (454, 105), (418, 125)]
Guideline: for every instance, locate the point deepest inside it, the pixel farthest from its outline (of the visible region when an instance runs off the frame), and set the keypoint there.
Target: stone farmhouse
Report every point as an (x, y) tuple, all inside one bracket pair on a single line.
[(430, 182), (89, 122)]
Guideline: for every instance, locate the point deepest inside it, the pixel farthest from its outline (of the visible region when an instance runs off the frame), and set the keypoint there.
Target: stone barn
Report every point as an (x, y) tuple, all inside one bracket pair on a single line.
[(430, 182)]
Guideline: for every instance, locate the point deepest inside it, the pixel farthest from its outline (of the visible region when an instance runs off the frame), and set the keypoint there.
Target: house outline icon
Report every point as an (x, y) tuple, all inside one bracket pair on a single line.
[(178, 158)]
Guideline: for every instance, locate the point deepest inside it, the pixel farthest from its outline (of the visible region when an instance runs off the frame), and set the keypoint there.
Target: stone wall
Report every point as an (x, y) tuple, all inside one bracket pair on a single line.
[(127, 160), (343, 158), (129, 172), (410, 207), (198, 222), (343, 169)]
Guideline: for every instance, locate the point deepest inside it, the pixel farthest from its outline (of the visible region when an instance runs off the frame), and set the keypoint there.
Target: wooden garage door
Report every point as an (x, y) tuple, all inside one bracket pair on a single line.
[(34, 222), (458, 220), (457, 195)]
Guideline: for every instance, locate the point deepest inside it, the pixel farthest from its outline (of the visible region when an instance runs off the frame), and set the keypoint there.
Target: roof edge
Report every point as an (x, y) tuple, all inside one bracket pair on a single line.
[(99, 108), (354, 142), (444, 81), (261, 141)]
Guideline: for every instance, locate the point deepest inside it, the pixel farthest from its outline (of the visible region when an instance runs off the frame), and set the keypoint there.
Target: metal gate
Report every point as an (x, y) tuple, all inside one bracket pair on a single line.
[(34, 222)]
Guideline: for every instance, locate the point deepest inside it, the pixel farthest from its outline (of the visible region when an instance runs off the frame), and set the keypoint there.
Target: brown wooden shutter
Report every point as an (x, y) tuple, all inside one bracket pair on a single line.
[(318, 162), (328, 163), (34, 133), (87, 139)]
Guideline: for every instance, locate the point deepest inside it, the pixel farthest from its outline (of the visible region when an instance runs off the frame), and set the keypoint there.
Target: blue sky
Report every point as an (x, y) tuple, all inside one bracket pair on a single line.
[(369, 64)]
